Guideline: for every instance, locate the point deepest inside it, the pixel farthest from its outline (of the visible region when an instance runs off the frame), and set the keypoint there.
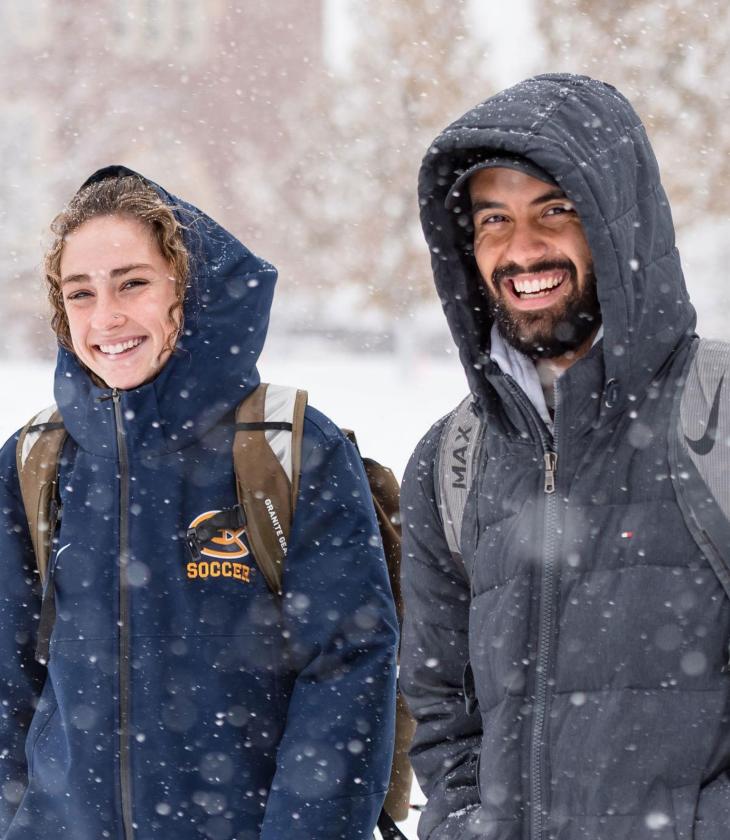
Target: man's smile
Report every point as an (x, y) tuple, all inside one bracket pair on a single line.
[(535, 290)]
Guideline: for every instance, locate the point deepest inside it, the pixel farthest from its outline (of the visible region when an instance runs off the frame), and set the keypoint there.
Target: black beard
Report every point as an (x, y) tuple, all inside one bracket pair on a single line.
[(555, 331)]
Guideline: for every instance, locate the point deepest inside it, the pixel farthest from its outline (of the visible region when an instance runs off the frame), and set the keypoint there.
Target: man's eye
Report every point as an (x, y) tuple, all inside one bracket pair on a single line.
[(559, 209), (494, 219)]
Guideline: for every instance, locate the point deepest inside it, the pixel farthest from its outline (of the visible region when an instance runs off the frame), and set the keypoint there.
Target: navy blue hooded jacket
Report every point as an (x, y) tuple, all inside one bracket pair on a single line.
[(196, 708), (573, 684)]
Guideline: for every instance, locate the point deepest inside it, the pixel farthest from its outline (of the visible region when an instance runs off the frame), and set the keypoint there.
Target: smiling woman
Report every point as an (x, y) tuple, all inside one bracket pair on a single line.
[(174, 692), (117, 273)]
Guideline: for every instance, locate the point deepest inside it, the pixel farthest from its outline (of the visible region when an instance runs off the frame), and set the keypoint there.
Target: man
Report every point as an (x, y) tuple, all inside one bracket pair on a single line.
[(567, 670)]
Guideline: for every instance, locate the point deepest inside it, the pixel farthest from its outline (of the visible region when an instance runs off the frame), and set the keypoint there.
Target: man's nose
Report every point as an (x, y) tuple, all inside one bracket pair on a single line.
[(527, 245)]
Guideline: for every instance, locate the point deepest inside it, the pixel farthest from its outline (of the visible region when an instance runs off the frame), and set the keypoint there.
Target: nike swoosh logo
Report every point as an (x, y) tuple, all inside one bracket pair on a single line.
[(703, 445)]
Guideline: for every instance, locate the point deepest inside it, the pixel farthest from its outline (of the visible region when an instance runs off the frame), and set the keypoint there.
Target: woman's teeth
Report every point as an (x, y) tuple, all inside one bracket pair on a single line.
[(115, 349)]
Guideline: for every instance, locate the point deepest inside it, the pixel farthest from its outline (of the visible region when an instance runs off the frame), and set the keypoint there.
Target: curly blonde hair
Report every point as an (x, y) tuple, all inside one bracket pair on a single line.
[(134, 198)]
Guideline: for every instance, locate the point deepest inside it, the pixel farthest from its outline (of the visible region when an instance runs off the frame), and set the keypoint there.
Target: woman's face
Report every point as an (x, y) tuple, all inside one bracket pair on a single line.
[(118, 292)]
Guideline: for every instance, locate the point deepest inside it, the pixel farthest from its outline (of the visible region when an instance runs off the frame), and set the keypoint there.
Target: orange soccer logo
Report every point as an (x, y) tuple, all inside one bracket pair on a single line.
[(228, 545)]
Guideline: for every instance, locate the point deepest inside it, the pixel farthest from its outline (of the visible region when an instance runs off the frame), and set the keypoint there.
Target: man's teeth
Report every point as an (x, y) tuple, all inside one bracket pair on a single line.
[(527, 286), (115, 349)]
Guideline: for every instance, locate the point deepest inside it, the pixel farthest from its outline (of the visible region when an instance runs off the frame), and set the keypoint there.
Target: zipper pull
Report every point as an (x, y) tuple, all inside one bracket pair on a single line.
[(551, 465), (106, 397)]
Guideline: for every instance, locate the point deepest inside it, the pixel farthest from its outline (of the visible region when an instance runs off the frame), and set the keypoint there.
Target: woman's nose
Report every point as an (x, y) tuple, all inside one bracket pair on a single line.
[(107, 315)]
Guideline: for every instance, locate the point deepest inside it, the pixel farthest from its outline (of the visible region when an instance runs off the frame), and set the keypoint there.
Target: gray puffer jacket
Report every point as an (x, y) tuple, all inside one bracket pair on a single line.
[(573, 685)]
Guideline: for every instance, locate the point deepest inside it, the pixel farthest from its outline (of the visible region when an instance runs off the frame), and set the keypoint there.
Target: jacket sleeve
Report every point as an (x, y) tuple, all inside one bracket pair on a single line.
[(713, 809), (434, 655), (21, 677), (334, 758)]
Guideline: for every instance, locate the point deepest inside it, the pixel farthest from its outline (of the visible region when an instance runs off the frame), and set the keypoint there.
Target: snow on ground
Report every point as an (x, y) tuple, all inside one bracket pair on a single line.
[(389, 401)]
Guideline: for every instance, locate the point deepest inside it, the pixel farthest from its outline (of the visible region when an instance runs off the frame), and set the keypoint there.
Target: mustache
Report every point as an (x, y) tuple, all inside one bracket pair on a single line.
[(512, 269)]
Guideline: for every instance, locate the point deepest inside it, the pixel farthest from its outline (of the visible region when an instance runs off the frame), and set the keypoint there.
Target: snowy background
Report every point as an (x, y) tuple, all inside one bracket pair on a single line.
[(300, 125), (388, 406)]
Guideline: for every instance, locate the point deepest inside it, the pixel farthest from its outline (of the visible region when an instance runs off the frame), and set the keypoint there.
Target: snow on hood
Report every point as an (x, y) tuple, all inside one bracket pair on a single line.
[(214, 365), (585, 135)]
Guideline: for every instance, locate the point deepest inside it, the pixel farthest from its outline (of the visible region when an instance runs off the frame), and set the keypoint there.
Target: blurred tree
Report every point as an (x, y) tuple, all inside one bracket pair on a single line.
[(347, 187), (672, 60)]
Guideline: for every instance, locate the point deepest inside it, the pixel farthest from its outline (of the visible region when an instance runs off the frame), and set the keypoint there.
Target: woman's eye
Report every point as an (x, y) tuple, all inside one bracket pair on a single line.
[(134, 283), (80, 295)]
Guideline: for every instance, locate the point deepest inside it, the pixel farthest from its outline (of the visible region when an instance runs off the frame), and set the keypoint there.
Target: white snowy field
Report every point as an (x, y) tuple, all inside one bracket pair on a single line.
[(390, 402)]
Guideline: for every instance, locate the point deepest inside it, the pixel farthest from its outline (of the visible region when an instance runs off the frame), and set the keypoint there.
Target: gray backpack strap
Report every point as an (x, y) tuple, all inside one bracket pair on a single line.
[(699, 452), (455, 466)]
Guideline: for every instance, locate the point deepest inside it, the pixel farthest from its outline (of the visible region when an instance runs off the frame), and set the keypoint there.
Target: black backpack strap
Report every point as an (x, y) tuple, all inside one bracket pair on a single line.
[(388, 829), (454, 469), (699, 452)]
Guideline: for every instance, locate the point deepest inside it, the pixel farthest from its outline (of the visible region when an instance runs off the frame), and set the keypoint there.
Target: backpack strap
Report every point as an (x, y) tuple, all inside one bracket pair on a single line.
[(386, 500), (267, 461), (699, 452), (37, 454), (387, 827), (267, 449), (455, 466)]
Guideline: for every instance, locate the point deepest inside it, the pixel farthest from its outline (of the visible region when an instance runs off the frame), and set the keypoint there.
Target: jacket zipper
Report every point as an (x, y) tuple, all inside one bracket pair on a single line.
[(538, 768), (125, 771)]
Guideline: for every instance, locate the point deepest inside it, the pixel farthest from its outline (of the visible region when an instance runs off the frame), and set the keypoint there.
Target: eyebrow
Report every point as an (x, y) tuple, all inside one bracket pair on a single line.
[(115, 272), (551, 195)]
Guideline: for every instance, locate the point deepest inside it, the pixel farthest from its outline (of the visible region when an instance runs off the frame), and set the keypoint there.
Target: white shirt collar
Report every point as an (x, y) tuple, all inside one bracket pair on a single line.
[(522, 369)]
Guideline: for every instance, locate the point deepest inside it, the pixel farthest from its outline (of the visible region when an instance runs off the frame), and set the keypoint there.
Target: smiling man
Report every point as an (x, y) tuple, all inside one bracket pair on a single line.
[(535, 262), (565, 640)]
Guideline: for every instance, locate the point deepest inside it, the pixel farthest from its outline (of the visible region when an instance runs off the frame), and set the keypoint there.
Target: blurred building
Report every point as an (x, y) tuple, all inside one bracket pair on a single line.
[(189, 92)]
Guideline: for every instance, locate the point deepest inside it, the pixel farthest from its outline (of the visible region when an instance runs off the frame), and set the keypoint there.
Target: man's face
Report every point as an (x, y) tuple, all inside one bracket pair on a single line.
[(535, 262)]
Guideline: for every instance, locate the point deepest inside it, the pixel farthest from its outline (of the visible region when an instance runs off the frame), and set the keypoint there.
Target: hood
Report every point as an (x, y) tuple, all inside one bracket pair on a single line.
[(586, 136), (213, 367)]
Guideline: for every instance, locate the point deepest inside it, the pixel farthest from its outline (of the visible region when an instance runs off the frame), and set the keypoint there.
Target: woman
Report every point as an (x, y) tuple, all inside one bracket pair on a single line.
[(173, 705)]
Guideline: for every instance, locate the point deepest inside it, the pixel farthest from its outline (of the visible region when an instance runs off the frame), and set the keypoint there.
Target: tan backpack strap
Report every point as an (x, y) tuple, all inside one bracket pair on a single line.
[(297, 434), (267, 463), (37, 455), (398, 800)]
